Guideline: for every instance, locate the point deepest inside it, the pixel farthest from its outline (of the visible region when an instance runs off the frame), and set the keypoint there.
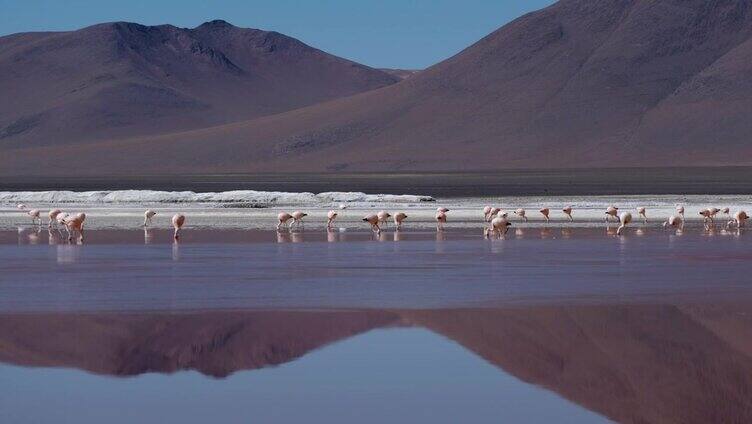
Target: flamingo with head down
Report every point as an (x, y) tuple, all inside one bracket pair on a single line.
[(330, 217), (568, 212), (177, 222), (545, 212), (625, 218), (498, 227)]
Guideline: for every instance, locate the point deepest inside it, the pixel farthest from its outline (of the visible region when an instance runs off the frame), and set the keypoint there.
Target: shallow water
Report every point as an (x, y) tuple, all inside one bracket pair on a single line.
[(396, 270)]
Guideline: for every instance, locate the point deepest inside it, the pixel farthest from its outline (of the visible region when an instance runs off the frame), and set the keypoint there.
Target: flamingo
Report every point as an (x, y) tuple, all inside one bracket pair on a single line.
[(373, 219), (739, 218), (81, 216), (398, 218), (680, 211), (283, 219), (75, 224), (34, 214), (383, 217), (625, 218), (674, 221), (502, 214), (297, 218), (441, 219), (330, 217), (148, 215), (60, 218), (545, 212), (21, 206), (486, 212), (568, 212), (726, 211), (499, 226), (521, 213), (177, 222), (707, 215), (641, 212), (342, 206), (493, 213), (612, 211), (53, 215)]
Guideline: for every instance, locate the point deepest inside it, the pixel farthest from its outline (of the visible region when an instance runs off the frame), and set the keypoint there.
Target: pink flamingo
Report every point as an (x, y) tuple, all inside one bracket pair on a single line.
[(34, 214), (75, 224), (612, 211), (81, 216), (568, 212), (297, 218), (739, 219), (499, 227), (545, 212), (441, 219), (398, 218), (625, 218), (60, 218), (486, 212), (373, 219), (283, 219), (641, 211), (177, 222), (680, 211), (383, 217), (521, 213), (707, 215), (330, 217), (674, 221), (148, 215), (53, 215)]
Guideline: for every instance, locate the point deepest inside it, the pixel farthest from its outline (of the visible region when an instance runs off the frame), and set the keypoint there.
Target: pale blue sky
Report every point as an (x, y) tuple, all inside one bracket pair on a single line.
[(383, 33)]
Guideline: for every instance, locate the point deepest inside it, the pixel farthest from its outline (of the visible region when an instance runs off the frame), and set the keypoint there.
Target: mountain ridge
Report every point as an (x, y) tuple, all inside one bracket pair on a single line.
[(613, 83), (122, 79)]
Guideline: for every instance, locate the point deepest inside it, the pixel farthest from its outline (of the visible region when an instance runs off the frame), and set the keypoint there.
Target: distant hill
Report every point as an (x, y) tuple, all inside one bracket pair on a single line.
[(122, 79), (581, 83)]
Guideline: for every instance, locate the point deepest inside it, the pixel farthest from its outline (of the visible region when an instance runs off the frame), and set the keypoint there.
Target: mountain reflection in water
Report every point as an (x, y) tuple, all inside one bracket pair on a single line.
[(633, 363)]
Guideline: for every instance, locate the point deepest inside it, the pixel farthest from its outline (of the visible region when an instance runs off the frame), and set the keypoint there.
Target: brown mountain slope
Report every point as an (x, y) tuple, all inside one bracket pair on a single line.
[(122, 79), (581, 83)]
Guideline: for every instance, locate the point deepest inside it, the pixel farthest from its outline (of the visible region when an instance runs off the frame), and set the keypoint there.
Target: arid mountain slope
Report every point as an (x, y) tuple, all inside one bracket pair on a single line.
[(581, 83), (122, 79)]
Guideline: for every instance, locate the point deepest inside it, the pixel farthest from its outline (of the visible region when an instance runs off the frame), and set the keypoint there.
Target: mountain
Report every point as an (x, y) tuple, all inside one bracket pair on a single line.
[(122, 79), (581, 83)]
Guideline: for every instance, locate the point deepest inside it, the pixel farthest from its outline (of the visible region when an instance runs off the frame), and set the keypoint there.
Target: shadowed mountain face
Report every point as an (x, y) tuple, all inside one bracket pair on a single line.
[(632, 363), (122, 79), (580, 83)]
